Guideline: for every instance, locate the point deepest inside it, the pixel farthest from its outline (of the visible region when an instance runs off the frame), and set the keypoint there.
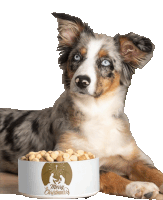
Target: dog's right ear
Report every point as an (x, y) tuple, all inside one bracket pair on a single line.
[(69, 28)]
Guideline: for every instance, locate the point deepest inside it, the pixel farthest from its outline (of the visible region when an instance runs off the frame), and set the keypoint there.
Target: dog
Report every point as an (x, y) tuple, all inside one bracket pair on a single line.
[(89, 115)]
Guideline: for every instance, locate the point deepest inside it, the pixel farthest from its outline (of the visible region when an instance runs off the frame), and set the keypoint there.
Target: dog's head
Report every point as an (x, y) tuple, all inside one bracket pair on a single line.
[(95, 64)]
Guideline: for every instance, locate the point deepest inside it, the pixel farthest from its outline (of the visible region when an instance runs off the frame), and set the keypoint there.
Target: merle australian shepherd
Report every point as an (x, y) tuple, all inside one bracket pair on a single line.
[(89, 115)]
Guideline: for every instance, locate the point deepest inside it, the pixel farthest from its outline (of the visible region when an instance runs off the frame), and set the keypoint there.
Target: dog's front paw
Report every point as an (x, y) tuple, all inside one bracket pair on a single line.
[(142, 190)]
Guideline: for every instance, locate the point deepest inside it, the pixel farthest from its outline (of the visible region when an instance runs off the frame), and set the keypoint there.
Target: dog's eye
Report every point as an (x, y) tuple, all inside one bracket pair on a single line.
[(77, 57), (105, 63)]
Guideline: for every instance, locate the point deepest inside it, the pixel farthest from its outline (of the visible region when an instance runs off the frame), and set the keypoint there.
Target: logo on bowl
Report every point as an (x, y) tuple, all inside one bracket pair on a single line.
[(56, 178)]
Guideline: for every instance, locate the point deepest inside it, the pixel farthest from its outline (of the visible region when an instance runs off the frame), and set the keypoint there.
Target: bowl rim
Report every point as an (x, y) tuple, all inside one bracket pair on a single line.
[(97, 158)]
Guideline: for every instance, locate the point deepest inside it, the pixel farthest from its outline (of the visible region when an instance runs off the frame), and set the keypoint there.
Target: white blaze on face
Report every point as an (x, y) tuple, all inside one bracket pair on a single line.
[(88, 66)]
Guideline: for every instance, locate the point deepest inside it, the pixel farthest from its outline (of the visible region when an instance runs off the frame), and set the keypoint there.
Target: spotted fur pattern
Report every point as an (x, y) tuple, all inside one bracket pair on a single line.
[(89, 115)]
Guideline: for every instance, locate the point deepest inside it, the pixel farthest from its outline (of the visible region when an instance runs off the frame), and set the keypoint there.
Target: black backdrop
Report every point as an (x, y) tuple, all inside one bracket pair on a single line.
[(30, 77)]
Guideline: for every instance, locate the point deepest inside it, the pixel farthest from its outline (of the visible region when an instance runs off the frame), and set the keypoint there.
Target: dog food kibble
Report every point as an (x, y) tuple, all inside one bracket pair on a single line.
[(31, 157), (46, 154), (69, 151), (38, 156), (23, 158), (67, 159), (42, 152), (49, 159), (73, 158), (82, 157), (54, 155), (87, 157), (60, 153), (80, 152), (42, 159), (66, 155), (58, 156)]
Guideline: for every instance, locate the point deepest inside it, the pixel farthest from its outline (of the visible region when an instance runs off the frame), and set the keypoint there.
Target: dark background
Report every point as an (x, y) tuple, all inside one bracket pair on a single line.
[(30, 77)]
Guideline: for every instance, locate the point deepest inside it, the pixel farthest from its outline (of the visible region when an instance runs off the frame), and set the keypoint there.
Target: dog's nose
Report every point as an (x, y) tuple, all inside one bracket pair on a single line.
[(82, 81)]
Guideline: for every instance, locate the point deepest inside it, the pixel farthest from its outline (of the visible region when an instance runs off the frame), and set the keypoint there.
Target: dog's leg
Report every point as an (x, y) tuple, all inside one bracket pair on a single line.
[(142, 172), (112, 183)]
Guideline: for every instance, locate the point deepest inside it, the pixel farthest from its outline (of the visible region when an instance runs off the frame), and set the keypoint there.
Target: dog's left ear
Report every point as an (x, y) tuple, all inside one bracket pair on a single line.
[(136, 51)]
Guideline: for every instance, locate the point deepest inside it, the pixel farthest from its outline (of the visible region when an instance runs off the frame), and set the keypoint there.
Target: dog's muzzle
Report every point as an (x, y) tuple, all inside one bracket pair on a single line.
[(82, 81)]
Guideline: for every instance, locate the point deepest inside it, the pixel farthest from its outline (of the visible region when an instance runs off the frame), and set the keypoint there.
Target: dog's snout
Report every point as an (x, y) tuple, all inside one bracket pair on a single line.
[(82, 81)]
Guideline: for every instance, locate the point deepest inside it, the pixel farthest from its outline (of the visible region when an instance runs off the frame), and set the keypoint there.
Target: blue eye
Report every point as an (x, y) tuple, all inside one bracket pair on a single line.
[(77, 57), (105, 63)]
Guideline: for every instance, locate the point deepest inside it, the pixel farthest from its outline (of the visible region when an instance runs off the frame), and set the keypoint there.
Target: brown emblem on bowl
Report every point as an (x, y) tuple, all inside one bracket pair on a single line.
[(58, 171)]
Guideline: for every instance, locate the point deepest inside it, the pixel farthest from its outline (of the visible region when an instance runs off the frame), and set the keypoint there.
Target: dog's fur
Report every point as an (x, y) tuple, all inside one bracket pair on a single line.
[(89, 115)]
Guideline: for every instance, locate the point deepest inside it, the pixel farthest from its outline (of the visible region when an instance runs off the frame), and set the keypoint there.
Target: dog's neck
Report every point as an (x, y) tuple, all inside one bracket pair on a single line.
[(112, 103)]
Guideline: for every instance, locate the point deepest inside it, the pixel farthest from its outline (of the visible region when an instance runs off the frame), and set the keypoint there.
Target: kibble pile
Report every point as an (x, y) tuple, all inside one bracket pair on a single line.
[(59, 156)]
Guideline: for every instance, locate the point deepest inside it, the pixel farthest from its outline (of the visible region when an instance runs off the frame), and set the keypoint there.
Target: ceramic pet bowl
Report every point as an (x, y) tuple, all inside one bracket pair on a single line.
[(58, 179)]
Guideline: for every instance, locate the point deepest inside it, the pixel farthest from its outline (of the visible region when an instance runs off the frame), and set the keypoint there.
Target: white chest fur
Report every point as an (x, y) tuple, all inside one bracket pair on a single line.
[(104, 137), (102, 132)]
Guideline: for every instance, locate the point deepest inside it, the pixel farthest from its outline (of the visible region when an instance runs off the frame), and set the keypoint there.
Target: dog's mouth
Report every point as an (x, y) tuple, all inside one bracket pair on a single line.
[(86, 94), (82, 93)]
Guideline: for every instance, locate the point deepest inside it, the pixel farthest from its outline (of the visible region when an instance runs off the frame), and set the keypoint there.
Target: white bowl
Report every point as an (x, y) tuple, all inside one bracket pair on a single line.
[(59, 179)]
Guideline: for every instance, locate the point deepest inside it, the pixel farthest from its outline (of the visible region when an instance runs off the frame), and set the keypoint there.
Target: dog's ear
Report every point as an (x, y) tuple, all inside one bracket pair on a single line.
[(69, 28), (136, 51)]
